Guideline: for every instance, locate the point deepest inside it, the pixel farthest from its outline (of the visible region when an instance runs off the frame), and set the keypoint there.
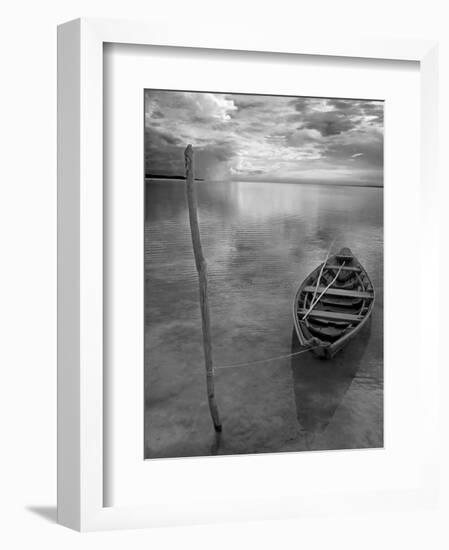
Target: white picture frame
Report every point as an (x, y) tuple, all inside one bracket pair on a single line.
[(80, 256)]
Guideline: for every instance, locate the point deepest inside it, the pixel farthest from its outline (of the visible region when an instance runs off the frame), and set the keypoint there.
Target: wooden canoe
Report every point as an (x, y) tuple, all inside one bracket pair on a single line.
[(342, 299)]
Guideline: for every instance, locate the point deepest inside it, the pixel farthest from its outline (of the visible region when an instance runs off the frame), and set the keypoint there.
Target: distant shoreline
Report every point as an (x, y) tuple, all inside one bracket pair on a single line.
[(157, 177)]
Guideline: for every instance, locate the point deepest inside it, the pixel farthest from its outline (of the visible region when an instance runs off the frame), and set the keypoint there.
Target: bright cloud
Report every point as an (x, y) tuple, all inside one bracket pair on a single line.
[(265, 137)]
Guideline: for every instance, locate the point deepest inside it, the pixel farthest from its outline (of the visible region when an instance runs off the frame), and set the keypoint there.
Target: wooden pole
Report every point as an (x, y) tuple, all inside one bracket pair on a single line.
[(201, 268)]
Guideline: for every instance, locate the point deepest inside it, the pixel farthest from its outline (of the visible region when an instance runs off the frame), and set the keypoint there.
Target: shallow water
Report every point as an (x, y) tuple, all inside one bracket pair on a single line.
[(260, 240)]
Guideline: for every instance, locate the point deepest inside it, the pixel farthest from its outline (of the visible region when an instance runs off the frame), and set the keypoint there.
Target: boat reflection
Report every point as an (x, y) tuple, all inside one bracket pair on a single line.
[(320, 385)]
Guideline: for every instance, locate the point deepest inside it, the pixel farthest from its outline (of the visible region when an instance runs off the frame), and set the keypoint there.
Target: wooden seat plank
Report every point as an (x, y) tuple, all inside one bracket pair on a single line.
[(340, 292), (344, 268), (335, 315)]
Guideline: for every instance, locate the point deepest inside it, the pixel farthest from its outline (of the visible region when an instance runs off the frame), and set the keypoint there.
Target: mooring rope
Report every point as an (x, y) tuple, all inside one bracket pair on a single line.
[(321, 270), (251, 363), (313, 304)]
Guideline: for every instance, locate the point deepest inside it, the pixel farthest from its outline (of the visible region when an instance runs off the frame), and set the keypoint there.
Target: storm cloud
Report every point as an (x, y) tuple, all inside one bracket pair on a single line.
[(273, 138)]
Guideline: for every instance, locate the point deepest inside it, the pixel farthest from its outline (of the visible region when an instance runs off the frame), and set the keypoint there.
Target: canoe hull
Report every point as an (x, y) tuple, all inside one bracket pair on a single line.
[(346, 303)]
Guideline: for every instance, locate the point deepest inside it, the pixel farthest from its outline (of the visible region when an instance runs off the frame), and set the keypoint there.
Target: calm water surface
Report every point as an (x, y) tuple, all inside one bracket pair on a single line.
[(260, 240)]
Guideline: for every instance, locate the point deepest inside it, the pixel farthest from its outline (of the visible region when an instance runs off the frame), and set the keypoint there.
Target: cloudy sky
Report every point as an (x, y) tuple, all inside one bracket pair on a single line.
[(269, 138)]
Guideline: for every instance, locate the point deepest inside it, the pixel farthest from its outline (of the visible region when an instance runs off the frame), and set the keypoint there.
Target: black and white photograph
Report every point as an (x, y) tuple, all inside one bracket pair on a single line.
[(263, 260)]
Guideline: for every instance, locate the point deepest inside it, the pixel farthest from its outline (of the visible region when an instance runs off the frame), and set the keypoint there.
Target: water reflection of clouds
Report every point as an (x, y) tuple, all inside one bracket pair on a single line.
[(249, 226)]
